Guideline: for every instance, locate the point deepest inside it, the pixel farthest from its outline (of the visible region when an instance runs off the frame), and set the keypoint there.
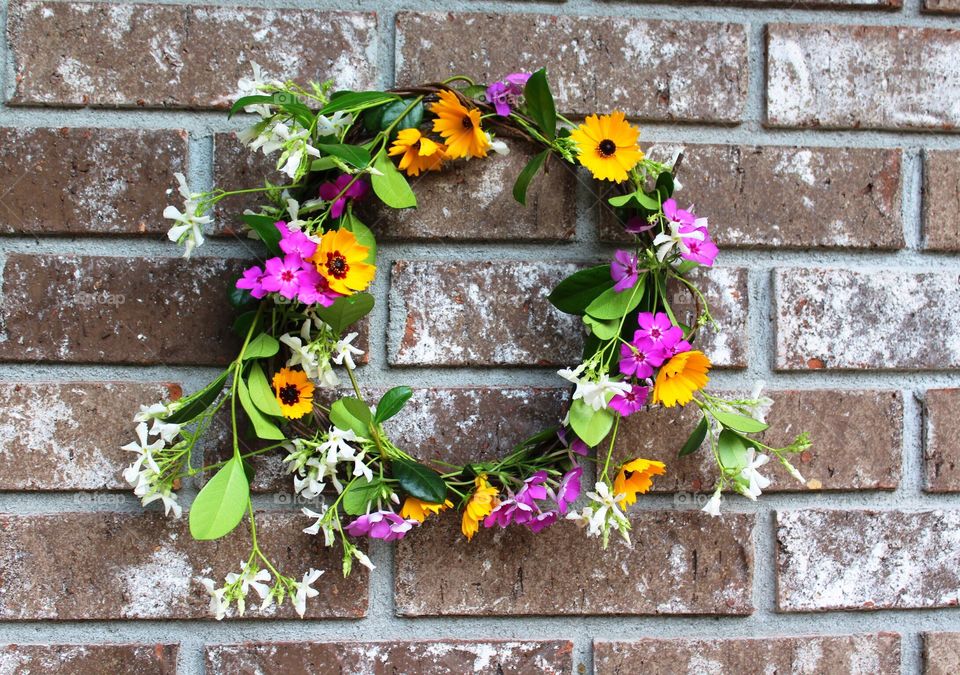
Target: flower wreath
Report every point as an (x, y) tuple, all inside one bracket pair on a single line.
[(298, 307)]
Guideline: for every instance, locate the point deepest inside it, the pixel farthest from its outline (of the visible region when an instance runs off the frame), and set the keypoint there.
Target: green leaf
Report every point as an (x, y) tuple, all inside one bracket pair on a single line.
[(592, 426), (345, 311), (732, 450), (696, 439), (391, 187), (392, 111), (221, 503), (244, 101), (265, 226), (664, 185), (261, 393), (243, 323), (354, 155), (639, 197), (363, 234), (322, 164), (262, 426), (358, 494), (476, 93), (747, 425), (605, 330), (686, 266), (529, 171), (350, 413), (289, 103), (573, 294), (419, 481), (391, 403), (240, 298), (196, 403), (612, 304), (540, 105), (261, 347), (354, 101)]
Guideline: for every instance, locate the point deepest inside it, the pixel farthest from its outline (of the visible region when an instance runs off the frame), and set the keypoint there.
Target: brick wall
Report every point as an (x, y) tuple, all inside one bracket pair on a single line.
[(819, 139)]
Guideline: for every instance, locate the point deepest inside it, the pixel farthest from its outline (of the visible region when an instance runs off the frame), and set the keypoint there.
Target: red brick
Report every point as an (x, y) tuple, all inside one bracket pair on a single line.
[(941, 653), (67, 435), (869, 654), (857, 441), (942, 445), (640, 67), (429, 657), (873, 77), (941, 200), (708, 561), (94, 181), (941, 6), (89, 659), (118, 310), (496, 313), (787, 197), (864, 560), (191, 57), (142, 566), (876, 319)]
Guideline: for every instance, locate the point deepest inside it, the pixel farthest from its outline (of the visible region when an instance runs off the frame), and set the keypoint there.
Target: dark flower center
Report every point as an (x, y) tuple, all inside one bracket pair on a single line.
[(286, 275), (467, 122), (337, 265), (289, 394), (607, 147), (655, 333)]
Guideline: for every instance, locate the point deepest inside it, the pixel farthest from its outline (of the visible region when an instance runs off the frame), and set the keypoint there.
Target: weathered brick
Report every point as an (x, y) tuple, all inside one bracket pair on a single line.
[(787, 197), (67, 435), (851, 559), (90, 659), (192, 56), (90, 181), (429, 657), (144, 566), (872, 654), (941, 653), (663, 84), (496, 313), (878, 319), (118, 310), (941, 6), (942, 445), (851, 77), (708, 561), (857, 441), (236, 167), (941, 200)]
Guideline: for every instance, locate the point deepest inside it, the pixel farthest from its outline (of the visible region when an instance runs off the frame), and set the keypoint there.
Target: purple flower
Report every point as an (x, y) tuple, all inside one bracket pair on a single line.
[(638, 225), (315, 289), (569, 489), (533, 488), (252, 280), (330, 191), (631, 401), (295, 241), (507, 512), (542, 521), (656, 330), (578, 446), (703, 252), (283, 275), (685, 218), (385, 525), (503, 94), (623, 270), (640, 359)]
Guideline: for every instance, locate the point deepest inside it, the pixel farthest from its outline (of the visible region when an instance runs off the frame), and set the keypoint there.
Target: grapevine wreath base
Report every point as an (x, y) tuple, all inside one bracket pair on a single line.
[(339, 148)]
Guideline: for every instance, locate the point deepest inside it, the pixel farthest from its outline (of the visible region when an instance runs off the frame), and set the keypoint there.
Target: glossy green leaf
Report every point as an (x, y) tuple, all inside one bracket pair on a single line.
[(221, 504), (261, 393), (195, 404), (240, 298), (359, 493), (391, 403), (686, 266), (354, 155), (732, 450), (322, 164), (592, 426), (243, 323), (695, 440), (355, 101), (419, 481), (573, 294), (605, 330), (243, 102), (363, 234), (529, 171), (612, 304), (265, 227), (345, 311), (350, 413), (540, 105), (638, 198), (664, 186), (747, 425), (262, 426), (262, 346), (392, 111), (390, 186)]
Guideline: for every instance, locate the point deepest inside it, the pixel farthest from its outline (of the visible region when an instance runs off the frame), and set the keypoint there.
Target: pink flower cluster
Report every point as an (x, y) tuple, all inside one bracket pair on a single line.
[(656, 341), (385, 525), (523, 508), (697, 245)]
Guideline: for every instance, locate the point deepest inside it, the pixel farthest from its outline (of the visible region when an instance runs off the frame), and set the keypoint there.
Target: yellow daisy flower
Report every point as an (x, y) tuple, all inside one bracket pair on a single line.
[(294, 392), (679, 377), (483, 501), (459, 127), (340, 259), (419, 153), (607, 146), (418, 510), (640, 479)]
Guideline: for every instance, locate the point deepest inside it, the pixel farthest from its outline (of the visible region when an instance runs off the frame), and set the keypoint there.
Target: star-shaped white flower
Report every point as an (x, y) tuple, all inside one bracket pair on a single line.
[(304, 590), (346, 351)]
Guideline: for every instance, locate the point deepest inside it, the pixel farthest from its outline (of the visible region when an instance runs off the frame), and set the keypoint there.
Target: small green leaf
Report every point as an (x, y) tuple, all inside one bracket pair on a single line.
[(354, 101), (221, 503), (613, 304), (540, 105), (359, 494), (605, 330), (392, 111), (592, 426), (322, 164), (391, 403), (391, 187), (686, 266), (573, 294), (353, 155), (529, 171), (696, 439), (350, 413), (265, 226), (262, 426), (747, 425), (261, 347), (732, 450), (261, 393), (638, 197), (345, 311), (194, 405), (620, 200), (363, 234), (419, 481)]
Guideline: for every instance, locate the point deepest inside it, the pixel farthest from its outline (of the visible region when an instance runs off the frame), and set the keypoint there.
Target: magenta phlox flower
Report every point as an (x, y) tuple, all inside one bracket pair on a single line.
[(678, 348), (542, 521), (677, 215), (624, 270), (283, 275), (569, 489), (385, 525), (505, 93), (702, 251), (315, 289), (656, 330), (577, 446), (533, 489), (629, 402), (252, 280), (509, 511), (295, 241), (329, 191), (640, 359)]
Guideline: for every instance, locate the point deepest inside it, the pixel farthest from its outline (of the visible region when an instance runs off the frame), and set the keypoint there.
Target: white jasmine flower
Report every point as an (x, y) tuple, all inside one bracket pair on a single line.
[(361, 469), (250, 577), (346, 351), (145, 452), (792, 470), (497, 145), (218, 604), (308, 487), (165, 430), (595, 394), (251, 86), (713, 504), (188, 229), (334, 126), (304, 591), (337, 440), (326, 378), (607, 510), (763, 404), (757, 483), (301, 354), (154, 411), (169, 500), (363, 559), (581, 518), (319, 525), (666, 242)]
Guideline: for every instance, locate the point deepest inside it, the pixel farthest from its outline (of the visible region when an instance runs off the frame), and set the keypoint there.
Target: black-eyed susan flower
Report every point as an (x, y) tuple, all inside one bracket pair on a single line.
[(483, 501), (417, 152), (294, 392), (418, 510), (636, 476), (340, 258), (607, 146), (679, 377), (459, 127)]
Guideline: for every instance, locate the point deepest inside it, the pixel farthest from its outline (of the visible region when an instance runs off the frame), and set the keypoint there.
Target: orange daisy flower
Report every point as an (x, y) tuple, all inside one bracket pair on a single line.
[(340, 258), (459, 127), (419, 153)]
